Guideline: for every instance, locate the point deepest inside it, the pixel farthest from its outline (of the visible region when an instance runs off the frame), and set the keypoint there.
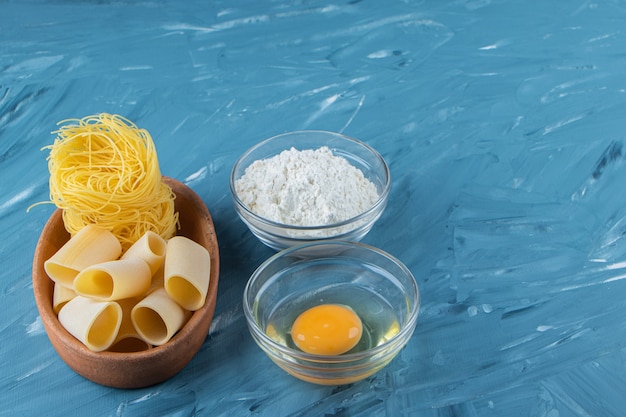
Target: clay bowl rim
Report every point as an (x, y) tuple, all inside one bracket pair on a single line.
[(198, 322)]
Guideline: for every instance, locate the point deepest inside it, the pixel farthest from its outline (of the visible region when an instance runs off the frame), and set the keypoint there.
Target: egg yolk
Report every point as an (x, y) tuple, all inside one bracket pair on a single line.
[(327, 329)]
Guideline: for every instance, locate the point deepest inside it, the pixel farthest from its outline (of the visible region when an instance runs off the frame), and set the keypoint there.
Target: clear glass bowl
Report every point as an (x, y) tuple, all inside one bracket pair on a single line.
[(279, 236), (377, 286)]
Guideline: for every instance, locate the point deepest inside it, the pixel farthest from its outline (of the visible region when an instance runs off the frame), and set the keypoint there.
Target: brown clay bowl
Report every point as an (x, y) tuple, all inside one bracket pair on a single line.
[(135, 369)]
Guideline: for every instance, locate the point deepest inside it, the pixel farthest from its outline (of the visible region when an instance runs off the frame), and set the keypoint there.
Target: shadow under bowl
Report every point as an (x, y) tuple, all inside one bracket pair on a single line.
[(134, 369)]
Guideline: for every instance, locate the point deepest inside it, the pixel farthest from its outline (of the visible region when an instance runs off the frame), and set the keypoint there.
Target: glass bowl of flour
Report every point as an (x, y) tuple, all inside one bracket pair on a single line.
[(307, 186)]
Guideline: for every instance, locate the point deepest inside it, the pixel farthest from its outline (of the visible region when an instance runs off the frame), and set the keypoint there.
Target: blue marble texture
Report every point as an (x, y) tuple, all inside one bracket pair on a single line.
[(503, 123)]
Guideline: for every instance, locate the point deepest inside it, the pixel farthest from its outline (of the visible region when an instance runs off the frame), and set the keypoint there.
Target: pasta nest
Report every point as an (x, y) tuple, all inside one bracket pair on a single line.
[(104, 170)]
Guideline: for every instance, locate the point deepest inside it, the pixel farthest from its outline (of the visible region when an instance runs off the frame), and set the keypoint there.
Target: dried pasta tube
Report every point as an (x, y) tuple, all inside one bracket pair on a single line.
[(187, 272), (94, 323), (128, 340), (157, 317), (157, 279), (151, 248), (114, 280), (90, 245), (60, 296)]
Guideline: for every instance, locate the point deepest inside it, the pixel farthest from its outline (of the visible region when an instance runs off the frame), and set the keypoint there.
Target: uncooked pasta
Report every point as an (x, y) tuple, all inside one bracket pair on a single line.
[(104, 170)]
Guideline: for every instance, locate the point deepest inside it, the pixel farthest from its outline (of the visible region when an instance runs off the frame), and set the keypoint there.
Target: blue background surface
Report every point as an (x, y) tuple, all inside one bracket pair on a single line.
[(503, 124)]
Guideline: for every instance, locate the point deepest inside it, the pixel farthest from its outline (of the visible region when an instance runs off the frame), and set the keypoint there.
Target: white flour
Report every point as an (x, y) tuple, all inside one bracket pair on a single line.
[(305, 188)]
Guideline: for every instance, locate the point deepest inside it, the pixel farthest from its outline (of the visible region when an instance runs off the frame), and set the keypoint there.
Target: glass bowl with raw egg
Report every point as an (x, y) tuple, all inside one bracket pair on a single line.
[(333, 319), (310, 185)]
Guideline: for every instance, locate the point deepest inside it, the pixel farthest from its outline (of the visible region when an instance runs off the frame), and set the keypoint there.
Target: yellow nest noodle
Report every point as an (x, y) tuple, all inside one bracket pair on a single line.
[(104, 170)]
